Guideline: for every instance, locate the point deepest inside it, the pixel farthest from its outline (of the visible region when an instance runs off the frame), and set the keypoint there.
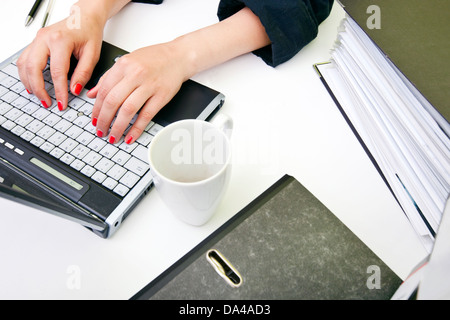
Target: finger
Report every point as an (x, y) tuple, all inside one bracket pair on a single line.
[(127, 112), (111, 104), (85, 66), (21, 69), (148, 111), (36, 62), (59, 67)]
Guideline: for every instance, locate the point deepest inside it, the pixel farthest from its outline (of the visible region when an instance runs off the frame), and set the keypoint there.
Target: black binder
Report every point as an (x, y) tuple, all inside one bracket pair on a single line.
[(283, 245), (413, 34)]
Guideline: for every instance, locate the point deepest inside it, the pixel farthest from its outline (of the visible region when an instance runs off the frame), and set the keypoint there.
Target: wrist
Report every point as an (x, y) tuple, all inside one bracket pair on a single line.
[(186, 56), (96, 10)]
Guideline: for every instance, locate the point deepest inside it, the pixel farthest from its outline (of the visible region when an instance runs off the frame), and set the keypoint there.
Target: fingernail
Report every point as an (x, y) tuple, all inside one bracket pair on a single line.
[(129, 139), (44, 104), (60, 105), (100, 133), (28, 91), (112, 139), (94, 122), (77, 89)]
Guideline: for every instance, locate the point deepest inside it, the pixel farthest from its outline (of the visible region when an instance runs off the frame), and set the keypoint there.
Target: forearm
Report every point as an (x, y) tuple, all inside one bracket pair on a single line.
[(215, 44), (101, 10)]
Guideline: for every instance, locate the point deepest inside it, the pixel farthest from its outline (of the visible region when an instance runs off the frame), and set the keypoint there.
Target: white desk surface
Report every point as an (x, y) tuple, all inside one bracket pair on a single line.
[(285, 122)]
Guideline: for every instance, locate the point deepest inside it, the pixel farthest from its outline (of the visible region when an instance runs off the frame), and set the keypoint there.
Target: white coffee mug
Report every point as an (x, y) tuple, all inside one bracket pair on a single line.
[(190, 164)]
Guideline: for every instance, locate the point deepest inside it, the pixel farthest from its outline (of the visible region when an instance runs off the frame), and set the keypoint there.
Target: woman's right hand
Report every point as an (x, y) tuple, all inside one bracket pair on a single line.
[(59, 41)]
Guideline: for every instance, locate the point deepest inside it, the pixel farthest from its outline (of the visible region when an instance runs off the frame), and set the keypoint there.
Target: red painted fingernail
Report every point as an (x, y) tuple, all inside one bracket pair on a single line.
[(60, 106), (44, 104), (112, 139), (28, 91), (94, 122), (77, 89), (100, 133), (129, 139)]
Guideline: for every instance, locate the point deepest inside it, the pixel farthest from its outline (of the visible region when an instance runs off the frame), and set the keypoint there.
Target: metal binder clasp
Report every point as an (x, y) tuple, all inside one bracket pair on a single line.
[(224, 268)]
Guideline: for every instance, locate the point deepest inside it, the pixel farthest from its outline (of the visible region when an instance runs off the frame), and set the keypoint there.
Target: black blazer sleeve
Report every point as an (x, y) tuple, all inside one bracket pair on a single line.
[(148, 1), (290, 24)]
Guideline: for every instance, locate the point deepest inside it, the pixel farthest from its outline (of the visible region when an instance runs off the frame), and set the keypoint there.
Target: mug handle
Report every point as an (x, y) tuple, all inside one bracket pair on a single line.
[(224, 123)]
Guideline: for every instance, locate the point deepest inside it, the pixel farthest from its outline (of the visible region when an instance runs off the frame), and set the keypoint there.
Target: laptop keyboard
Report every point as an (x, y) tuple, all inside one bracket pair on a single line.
[(70, 136)]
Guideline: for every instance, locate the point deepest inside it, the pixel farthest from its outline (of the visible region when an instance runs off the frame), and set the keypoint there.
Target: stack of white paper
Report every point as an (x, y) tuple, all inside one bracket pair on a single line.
[(407, 138)]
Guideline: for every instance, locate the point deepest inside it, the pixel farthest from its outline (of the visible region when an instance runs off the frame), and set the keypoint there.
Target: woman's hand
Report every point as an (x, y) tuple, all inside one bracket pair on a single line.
[(59, 42), (145, 81)]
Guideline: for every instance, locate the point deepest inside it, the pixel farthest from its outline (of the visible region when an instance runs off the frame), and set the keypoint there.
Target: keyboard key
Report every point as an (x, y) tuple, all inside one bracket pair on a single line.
[(30, 107), (57, 152), (108, 151), (98, 176), (18, 130), (116, 172), (57, 138), (76, 103), (27, 136), (121, 190), (4, 107), (68, 145), (24, 119), (74, 131), (141, 153), (20, 102), (80, 151), (104, 165), (47, 147), (46, 132), (129, 179), (121, 157), (37, 141), (110, 183), (137, 166), (88, 170), (97, 144), (77, 164), (35, 125), (52, 119), (13, 114), (67, 158), (10, 96), (62, 125), (82, 121), (85, 138), (91, 158), (70, 115)]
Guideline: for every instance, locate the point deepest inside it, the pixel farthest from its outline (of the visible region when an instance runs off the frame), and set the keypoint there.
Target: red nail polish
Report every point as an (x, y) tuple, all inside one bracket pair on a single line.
[(28, 91), (44, 104), (99, 133), (112, 139), (77, 89), (94, 122), (128, 140), (60, 106)]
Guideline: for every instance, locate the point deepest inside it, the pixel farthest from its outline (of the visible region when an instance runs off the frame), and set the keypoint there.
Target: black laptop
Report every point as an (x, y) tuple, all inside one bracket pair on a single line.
[(54, 160)]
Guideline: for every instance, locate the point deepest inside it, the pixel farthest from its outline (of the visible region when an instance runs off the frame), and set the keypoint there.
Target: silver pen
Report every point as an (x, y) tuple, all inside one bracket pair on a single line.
[(47, 13)]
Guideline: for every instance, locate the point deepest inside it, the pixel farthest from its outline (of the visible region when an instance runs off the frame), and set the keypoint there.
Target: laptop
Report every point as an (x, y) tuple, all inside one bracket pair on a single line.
[(54, 161)]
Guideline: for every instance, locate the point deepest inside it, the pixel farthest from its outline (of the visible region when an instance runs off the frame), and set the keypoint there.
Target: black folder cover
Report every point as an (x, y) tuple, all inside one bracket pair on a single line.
[(414, 36), (285, 245)]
